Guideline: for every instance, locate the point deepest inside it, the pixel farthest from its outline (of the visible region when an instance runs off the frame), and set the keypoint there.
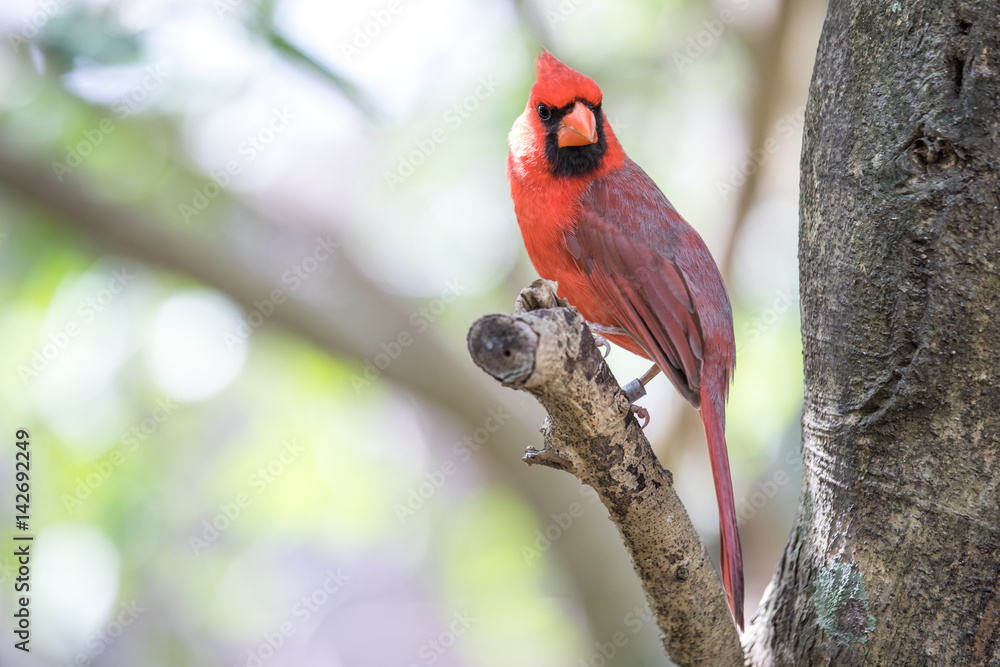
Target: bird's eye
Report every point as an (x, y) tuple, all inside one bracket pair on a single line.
[(544, 112)]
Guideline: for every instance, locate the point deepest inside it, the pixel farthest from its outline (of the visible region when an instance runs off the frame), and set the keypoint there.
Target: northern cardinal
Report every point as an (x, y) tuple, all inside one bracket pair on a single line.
[(595, 223)]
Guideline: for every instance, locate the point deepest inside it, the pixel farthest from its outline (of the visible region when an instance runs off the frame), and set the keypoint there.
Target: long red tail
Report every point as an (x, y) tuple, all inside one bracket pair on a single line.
[(713, 417)]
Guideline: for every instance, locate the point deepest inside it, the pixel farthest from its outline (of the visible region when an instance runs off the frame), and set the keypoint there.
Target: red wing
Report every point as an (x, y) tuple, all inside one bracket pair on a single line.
[(626, 241), (640, 284)]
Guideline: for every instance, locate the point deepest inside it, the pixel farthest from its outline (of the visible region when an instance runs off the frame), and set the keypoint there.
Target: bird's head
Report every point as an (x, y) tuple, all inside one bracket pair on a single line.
[(562, 122)]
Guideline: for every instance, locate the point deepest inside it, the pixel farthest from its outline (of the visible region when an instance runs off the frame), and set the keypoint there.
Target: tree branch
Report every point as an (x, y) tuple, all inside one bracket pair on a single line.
[(547, 350)]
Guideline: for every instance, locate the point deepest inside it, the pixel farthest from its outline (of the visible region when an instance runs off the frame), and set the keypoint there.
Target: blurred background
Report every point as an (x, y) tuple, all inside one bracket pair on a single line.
[(241, 244)]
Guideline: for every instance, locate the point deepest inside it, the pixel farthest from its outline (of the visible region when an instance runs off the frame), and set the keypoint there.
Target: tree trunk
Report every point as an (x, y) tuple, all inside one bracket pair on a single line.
[(893, 559)]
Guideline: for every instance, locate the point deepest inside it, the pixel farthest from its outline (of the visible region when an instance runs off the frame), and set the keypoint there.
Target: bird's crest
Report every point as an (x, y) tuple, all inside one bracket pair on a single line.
[(557, 84)]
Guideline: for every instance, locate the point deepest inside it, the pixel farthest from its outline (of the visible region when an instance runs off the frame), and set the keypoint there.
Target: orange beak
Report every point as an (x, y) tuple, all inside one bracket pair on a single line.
[(578, 127)]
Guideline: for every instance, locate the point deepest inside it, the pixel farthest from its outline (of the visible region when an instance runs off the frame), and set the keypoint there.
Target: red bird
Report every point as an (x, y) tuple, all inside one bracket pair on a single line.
[(594, 222)]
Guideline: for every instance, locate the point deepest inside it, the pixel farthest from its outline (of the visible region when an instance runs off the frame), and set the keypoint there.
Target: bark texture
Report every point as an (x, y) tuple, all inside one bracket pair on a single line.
[(546, 349), (894, 556)]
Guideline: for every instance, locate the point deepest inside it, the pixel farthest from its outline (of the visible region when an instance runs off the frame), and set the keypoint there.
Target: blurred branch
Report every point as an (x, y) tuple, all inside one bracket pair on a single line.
[(263, 24), (764, 107), (347, 316), (293, 53), (342, 326), (548, 351)]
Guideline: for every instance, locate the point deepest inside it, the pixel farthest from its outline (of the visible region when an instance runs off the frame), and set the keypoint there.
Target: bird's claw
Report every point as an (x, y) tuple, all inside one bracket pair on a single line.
[(641, 413), (601, 341), (601, 330)]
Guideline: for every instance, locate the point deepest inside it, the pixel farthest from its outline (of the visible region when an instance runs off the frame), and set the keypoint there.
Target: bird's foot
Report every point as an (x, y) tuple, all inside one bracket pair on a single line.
[(606, 330), (641, 413), (601, 330), (636, 389), (601, 341)]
